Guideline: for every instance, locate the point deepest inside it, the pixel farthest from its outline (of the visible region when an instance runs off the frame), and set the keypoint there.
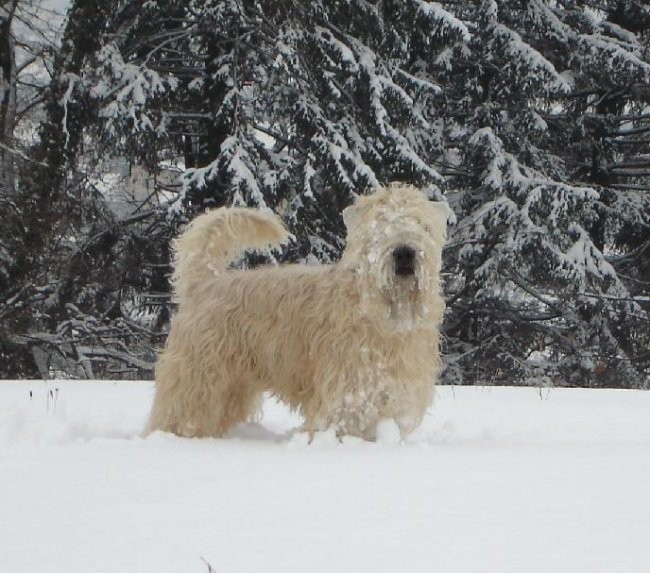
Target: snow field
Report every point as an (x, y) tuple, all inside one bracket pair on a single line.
[(495, 480)]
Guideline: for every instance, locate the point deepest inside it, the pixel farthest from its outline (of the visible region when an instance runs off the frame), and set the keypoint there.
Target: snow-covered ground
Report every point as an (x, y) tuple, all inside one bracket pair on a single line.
[(496, 480)]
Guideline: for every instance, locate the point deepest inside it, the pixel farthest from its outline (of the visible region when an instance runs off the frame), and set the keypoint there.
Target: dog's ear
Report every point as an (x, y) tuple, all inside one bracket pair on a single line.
[(351, 215), (354, 212), (439, 213), (443, 210)]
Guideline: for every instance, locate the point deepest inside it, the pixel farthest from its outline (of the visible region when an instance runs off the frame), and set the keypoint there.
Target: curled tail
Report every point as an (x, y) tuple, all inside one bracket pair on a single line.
[(216, 238)]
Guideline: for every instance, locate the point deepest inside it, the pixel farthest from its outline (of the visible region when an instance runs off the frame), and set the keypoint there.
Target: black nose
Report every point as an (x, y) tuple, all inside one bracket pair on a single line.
[(404, 258)]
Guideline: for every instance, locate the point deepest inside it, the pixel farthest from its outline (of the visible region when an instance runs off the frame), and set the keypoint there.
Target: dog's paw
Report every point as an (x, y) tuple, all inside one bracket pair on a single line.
[(388, 432)]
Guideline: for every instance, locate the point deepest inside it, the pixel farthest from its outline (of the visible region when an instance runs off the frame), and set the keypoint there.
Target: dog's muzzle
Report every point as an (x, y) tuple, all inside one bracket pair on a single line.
[(404, 260)]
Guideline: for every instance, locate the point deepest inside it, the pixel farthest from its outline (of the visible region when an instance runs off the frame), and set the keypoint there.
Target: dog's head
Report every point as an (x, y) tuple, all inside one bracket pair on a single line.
[(394, 244)]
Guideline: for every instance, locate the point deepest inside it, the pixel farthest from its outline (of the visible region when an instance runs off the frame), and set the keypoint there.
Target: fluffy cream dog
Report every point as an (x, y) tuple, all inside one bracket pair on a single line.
[(346, 345)]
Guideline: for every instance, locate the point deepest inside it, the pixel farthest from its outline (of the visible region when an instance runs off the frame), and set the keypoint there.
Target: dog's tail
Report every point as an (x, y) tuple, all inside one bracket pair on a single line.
[(216, 238)]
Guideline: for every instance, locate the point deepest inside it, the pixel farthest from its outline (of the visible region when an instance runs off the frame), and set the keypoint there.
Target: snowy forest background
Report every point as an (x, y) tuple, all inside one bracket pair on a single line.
[(531, 118)]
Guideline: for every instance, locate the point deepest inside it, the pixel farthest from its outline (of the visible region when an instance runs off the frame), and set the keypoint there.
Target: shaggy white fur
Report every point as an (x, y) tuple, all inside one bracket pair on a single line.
[(347, 345)]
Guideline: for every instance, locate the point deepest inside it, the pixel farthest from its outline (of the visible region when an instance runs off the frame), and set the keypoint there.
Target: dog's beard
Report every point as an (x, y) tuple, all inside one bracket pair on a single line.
[(405, 308), (403, 295)]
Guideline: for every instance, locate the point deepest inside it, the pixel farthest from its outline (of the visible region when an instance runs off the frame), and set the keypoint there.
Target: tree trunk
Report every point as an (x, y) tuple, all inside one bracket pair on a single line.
[(7, 98)]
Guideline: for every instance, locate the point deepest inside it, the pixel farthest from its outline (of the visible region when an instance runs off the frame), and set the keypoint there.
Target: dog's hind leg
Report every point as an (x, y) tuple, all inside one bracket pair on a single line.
[(203, 385), (232, 403), (188, 406)]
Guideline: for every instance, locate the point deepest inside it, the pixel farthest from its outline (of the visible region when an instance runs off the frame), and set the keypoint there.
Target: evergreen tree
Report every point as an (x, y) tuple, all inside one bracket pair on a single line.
[(291, 105), (232, 94), (536, 294), (530, 118), (84, 257)]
